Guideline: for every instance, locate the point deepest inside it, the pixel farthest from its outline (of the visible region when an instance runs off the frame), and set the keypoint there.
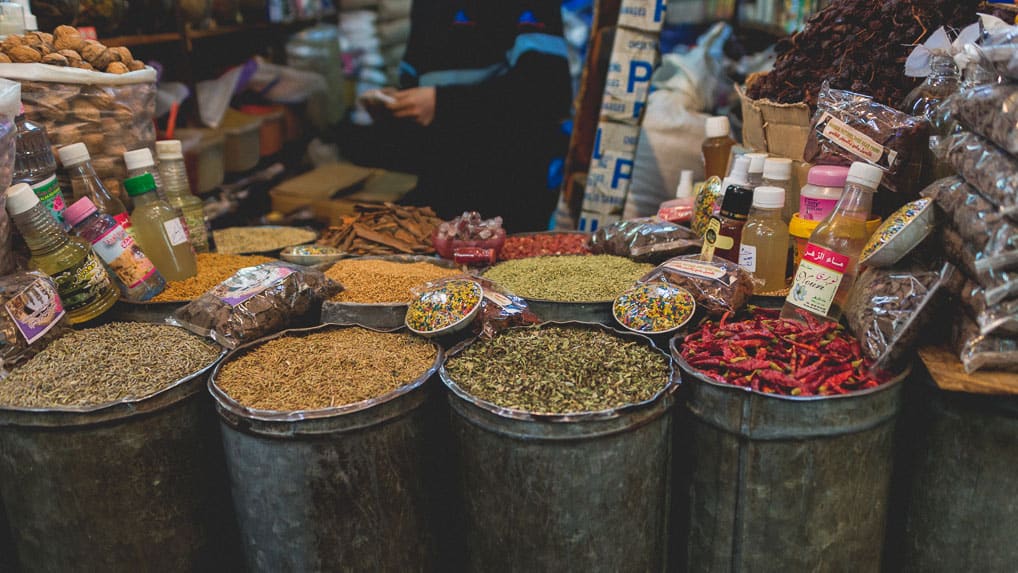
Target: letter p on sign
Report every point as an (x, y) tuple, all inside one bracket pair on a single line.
[(639, 72)]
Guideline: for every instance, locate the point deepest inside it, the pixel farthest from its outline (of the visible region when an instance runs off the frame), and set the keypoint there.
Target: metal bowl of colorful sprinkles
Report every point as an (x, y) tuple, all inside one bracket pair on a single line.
[(654, 308), (445, 309)]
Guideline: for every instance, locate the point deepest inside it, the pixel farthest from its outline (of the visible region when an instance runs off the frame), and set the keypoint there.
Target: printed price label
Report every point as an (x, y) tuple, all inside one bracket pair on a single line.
[(747, 257), (817, 280), (176, 232)]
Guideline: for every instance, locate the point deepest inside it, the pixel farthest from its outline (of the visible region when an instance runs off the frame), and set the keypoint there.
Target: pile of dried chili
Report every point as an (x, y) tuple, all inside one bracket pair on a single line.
[(543, 244), (776, 356)]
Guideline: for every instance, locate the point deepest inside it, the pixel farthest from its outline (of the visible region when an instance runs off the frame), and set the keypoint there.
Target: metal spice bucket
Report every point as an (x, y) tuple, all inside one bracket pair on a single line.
[(342, 488), (962, 513), (133, 486), (572, 492), (780, 483)]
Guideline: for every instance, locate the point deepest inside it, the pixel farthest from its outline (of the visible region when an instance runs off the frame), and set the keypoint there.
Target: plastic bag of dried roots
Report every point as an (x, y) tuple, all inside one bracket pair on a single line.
[(649, 240), (719, 286), (982, 352)]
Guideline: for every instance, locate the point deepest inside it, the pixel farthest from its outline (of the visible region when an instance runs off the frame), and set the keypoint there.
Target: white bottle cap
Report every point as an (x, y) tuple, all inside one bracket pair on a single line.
[(756, 162), (685, 188), (777, 169), (73, 154), (864, 174), (20, 198), (740, 172), (139, 159), (769, 197), (169, 149), (718, 126)]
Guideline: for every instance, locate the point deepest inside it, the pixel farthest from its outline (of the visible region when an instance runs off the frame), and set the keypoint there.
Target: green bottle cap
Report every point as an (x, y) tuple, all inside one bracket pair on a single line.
[(140, 185)]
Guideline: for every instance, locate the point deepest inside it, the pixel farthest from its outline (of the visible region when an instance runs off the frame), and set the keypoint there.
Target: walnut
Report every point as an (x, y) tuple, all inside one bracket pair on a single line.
[(99, 96), (32, 39), (103, 60), (84, 110), (71, 55), (117, 68), (44, 50), (94, 142), (65, 31), (82, 65), (91, 50), (136, 65), (55, 60), (12, 41), (69, 42), (125, 54), (4, 59), (46, 38), (24, 55)]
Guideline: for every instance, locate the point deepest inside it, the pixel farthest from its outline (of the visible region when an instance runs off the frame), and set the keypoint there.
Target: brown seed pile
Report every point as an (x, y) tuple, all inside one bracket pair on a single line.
[(239, 240), (109, 363), (325, 369), (377, 281), (213, 268)]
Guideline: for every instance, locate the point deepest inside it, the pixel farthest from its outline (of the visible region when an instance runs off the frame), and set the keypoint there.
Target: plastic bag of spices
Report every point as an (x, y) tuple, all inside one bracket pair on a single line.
[(32, 317), (998, 284), (1000, 318), (993, 237), (983, 352), (888, 309), (719, 286), (257, 301), (500, 309), (991, 111), (646, 240), (988, 168)]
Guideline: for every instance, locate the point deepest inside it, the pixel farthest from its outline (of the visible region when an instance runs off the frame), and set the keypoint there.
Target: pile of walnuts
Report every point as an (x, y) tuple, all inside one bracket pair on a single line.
[(65, 47)]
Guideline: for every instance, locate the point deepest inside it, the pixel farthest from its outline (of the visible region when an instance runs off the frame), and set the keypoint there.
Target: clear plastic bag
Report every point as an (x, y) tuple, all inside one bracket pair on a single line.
[(998, 51), (1000, 318), (986, 167), (888, 309), (31, 318), (718, 286), (849, 127), (646, 240), (10, 102), (500, 309), (991, 111), (998, 285), (993, 237), (980, 352), (257, 301)]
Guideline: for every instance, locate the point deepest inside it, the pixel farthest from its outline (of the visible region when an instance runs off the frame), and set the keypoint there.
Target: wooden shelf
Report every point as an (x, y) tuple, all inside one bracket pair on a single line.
[(141, 39), (947, 372), (171, 37)]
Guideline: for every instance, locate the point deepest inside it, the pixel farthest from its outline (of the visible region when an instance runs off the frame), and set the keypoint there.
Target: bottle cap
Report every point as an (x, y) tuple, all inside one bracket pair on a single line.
[(140, 185), (864, 174), (73, 154), (20, 198), (685, 188), (737, 202), (169, 149), (827, 176), (718, 126), (79, 210), (769, 197), (756, 162), (139, 159), (740, 172), (777, 169)]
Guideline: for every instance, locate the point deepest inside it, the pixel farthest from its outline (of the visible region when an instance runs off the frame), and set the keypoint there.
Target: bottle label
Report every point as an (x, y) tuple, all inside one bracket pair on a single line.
[(811, 209), (36, 309), (81, 285), (747, 257), (817, 280), (176, 232), (124, 257), (124, 221), (250, 281), (49, 195), (713, 240)]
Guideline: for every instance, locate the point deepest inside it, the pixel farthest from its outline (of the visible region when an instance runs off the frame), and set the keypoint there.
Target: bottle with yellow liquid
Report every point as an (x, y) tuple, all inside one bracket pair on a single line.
[(85, 288), (160, 231), (178, 192)]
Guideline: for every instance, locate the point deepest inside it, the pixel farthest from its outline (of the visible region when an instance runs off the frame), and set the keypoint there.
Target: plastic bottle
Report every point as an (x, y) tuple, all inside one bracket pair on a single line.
[(739, 174), (823, 188), (178, 192), (778, 173), (160, 231), (831, 259), (136, 276), (35, 165), (86, 290), (724, 232), (140, 162), (756, 168), (717, 148), (86, 183), (764, 247), (680, 209)]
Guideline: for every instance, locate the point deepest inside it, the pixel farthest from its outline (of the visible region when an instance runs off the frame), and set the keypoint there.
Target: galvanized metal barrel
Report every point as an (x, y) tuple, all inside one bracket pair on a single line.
[(580, 492), (963, 511), (788, 484), (135, 486), (338, 489)]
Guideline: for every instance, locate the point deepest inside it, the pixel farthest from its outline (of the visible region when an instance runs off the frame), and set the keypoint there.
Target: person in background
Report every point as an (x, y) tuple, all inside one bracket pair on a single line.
[(488, 82)]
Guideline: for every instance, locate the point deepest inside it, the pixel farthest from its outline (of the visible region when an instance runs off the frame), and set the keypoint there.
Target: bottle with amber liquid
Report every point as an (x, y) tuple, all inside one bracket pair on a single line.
[(717, 148)]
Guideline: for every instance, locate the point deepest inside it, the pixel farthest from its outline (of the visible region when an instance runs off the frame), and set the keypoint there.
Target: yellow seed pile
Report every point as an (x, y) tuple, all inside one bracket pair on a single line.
[(213, 268), (377, 281), (236, 240), (325, 369)]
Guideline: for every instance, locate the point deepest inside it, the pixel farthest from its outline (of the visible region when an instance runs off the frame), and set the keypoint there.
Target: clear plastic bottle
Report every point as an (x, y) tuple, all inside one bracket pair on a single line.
[(178, 192), (778, 173), (160, 231), (140, 162), (717, 148), (86, 290), (943, 81), (680, 209), (830, 261), (136, 275), (756, 168), (764, 247), (35, 165), (86, 183)]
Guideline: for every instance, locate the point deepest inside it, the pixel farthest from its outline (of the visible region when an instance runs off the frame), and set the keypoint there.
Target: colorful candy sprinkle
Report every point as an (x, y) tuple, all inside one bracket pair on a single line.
[(653, 308), (444, 306)]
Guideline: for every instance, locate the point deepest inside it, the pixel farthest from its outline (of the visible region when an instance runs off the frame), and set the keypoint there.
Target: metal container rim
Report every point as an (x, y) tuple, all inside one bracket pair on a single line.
[(227, 403), (674, 381)]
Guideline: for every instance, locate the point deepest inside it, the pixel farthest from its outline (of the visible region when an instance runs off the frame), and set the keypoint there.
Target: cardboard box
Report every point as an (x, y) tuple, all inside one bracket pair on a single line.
[(591, 222), (646, 15), (611, 168), (777, 128), (634, 57), (355, 185)]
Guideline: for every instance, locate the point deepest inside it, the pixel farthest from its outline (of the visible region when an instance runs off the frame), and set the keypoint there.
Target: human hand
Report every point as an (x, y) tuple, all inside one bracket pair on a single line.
[(417, 104), (377, 102)]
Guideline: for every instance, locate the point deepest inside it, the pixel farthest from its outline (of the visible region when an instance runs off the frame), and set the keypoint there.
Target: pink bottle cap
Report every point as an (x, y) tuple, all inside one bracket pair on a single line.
[(827, 176), (77, 212)]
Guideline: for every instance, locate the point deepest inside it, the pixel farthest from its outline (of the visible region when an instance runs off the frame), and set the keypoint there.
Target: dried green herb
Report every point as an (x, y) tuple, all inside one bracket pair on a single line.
[(569, 278), (559, 370), (109, 363)]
